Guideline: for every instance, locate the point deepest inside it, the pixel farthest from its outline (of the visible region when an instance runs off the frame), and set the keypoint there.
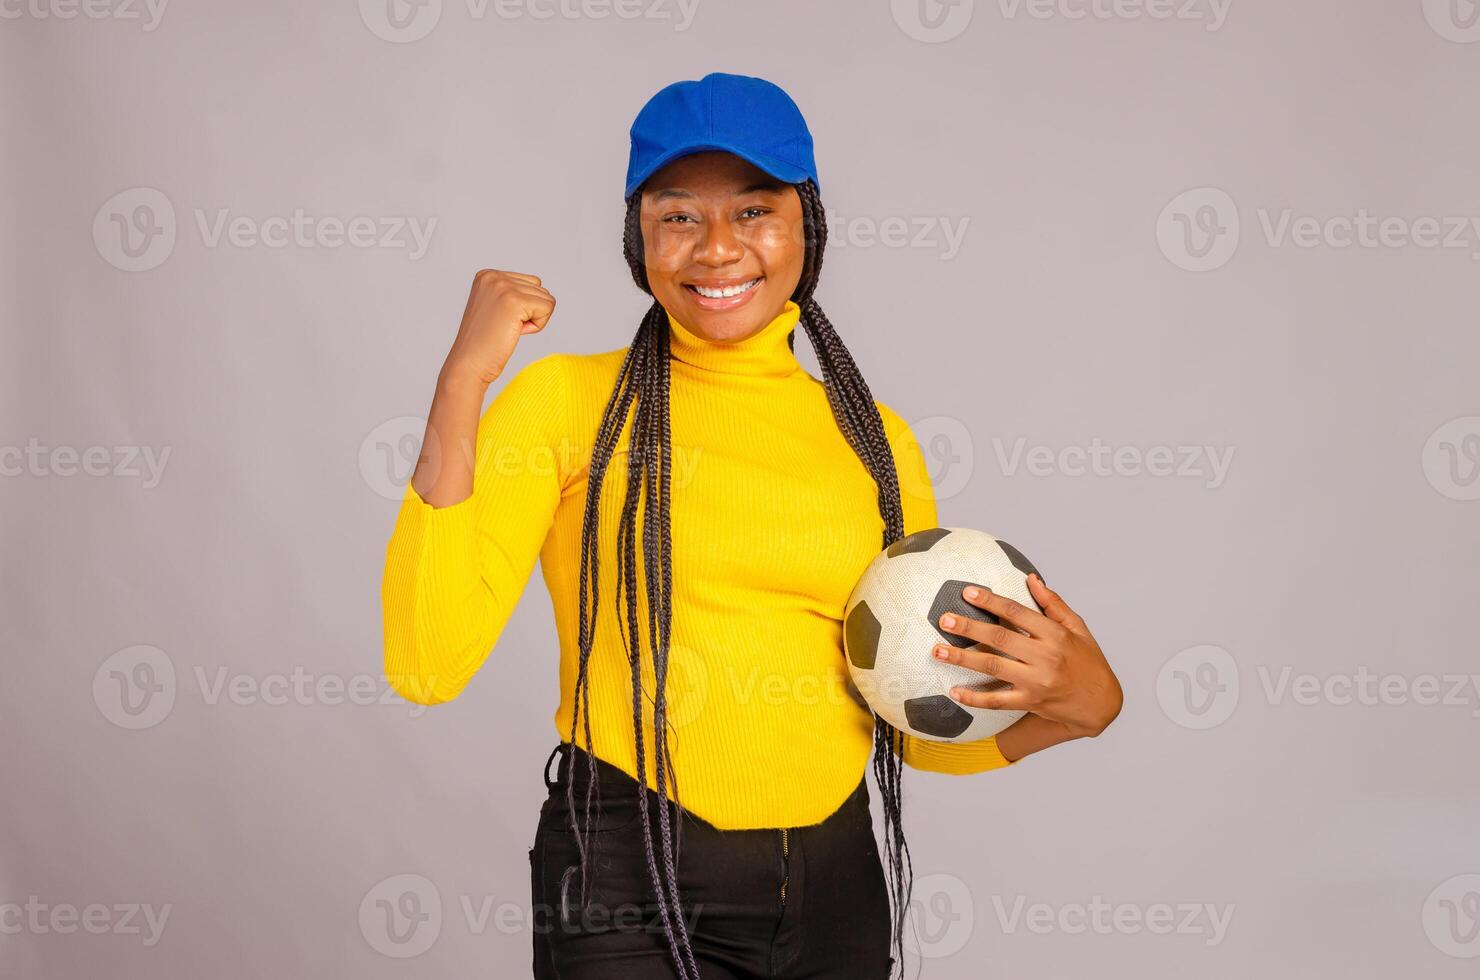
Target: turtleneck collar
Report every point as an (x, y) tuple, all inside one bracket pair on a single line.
[(764, 353)]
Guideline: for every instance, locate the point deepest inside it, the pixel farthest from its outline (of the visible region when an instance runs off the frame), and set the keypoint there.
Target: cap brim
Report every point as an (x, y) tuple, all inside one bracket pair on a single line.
[(790, 173)]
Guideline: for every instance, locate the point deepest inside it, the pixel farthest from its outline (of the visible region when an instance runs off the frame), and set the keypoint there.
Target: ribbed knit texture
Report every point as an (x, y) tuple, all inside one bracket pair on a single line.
[(774, 520)]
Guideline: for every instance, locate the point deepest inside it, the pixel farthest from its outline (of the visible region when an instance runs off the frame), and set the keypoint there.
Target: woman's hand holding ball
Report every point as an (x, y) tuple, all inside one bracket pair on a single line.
[(1057, 671)]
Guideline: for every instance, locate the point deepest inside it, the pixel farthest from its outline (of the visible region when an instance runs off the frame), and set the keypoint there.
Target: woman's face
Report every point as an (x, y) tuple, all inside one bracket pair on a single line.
[(722, 242)]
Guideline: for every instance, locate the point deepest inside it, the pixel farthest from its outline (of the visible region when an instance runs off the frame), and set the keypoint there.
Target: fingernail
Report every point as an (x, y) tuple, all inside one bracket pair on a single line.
[(948, 622), (940, 653), (972, 592)]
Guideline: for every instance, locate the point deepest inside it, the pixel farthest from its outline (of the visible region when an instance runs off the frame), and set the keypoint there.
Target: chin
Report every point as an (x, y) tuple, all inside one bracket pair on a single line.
[(725, 326)]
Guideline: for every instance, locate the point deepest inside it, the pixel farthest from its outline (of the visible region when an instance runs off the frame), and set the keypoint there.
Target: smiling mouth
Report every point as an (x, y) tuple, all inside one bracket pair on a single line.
[(724, 295), (724, 292)]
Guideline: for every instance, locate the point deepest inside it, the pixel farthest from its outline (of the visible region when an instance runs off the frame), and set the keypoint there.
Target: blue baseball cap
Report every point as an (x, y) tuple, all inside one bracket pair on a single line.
[(750, 117)]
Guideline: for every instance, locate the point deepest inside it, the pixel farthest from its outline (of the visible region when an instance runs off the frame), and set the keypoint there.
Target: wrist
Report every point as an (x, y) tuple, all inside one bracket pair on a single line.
[(457, 377), (1032, 733), (1087, 728)]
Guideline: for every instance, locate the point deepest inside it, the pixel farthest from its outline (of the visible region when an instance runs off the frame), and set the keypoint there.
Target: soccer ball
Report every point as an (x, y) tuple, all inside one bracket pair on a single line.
[(891, 623)]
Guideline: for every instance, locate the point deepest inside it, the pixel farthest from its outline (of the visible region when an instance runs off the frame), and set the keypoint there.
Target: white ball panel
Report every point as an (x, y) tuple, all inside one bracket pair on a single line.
[(900, 591)]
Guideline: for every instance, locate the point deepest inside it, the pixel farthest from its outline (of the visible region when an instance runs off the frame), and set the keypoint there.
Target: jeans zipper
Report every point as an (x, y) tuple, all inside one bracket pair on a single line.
[(785, 863)]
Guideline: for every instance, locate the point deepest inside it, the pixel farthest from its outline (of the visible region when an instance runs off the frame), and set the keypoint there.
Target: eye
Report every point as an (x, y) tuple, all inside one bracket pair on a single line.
[(679, 218), (756, 211)]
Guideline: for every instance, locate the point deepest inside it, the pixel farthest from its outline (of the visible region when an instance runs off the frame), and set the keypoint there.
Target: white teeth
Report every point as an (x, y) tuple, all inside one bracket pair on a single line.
[(725, 293)]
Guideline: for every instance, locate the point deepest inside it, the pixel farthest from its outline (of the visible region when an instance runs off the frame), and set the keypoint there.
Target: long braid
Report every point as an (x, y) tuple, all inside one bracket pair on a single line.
[(613, 417), (643, 374), (643, 380), (853, 406)]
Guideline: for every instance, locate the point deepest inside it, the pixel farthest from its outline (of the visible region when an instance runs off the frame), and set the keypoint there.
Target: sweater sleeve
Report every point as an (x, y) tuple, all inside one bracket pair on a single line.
[(454, 574), (917, 498)]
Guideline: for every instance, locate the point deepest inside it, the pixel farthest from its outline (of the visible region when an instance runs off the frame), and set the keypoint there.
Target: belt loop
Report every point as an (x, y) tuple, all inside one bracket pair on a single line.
[(560, 751)]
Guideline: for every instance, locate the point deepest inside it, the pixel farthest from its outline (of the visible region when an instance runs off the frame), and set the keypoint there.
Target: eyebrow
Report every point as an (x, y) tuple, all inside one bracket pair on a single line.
[(759, 187)]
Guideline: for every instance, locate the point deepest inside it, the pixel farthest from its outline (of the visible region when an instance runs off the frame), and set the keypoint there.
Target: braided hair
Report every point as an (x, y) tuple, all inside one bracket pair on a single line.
[(644, 378)]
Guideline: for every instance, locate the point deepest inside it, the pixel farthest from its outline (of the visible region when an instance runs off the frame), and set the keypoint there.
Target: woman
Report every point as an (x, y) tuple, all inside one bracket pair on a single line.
[(760, 495)]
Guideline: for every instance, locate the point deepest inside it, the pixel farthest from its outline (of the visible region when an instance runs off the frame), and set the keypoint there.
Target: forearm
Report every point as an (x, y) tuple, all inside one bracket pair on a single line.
[(437, 610), (1030, 733), (444, 469), (453, 572)]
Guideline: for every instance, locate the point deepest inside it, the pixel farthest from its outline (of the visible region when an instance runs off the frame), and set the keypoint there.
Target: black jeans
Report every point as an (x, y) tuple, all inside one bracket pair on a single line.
[(832, 923)]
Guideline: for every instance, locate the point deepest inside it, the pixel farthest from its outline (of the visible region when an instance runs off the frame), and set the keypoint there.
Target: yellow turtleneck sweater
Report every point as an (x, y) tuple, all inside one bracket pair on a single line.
[(774, 518)]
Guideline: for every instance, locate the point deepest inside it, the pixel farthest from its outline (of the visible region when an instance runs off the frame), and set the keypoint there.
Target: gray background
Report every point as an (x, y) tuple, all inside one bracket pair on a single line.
[(1092, 300)]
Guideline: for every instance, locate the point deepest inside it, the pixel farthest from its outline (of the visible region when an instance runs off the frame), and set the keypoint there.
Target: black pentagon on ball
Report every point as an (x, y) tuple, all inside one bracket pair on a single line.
[(861, 636), (937, 716), (948, 600), (1018, 559), (919, 541)]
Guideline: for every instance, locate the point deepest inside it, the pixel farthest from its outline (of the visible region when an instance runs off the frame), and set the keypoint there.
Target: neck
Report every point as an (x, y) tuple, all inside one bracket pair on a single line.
[(765, 353)]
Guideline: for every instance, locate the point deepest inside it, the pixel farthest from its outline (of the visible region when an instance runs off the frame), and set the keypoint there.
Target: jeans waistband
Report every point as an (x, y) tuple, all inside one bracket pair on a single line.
[(615, 783), (610, 778)]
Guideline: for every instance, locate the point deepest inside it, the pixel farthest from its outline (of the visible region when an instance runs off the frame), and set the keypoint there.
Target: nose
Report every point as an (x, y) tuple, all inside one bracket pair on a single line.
[(719, 246)]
